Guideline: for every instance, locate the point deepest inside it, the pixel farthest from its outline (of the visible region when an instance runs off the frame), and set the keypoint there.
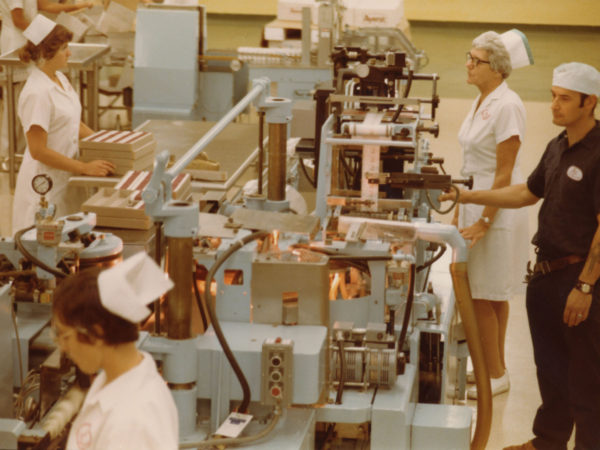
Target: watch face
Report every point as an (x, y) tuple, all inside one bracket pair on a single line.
[(584, 287)]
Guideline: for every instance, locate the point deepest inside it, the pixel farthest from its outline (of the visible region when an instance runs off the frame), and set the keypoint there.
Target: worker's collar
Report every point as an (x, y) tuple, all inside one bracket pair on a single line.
[(107, 396), (41, 77), (495, 94), (589, 141)]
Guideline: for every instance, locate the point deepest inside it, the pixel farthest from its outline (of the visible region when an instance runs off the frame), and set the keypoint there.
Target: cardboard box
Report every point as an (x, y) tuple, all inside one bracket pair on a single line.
[(380, 14), (123, 207), (292, 10), (127, 150)]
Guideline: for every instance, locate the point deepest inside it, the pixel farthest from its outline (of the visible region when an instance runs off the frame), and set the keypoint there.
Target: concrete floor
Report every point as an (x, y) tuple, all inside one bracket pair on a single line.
[(446, 45)]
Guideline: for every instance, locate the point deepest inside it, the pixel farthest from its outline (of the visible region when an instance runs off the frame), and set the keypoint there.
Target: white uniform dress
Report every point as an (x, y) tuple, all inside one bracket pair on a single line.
[(496, 264), (58, 111), (134, 411), (11, 38)]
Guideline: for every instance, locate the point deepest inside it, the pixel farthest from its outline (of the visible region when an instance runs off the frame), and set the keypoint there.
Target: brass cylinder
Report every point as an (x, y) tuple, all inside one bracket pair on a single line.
[(464, 301), (179, 299), (277, 161)]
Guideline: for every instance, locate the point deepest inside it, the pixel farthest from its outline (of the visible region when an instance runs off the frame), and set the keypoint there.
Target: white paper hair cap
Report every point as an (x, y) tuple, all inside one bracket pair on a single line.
[(128, 287), (38, 29), (518, 48), (578, 77)]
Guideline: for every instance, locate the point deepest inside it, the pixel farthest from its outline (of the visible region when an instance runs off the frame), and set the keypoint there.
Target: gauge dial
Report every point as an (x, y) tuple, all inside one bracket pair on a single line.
[(41, 184)]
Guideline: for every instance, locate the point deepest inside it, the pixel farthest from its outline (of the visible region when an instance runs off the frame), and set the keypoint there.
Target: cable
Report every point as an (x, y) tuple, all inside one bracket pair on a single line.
[(432, 260), (312, 181), (14, 321), (208, 300), (408, 309), (236, 441), (444, 211), (340, 391), (199, 302), (33, 259)]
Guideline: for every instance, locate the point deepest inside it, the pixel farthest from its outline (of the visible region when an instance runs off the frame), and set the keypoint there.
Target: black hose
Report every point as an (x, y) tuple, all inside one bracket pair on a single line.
[(444, 211), (404, 94), (312, 181), (408, 309), (213, 316), (432, 260), (33, 259), (392, 322), (158, 260), (340, 390), (199, 302), (408, 83)]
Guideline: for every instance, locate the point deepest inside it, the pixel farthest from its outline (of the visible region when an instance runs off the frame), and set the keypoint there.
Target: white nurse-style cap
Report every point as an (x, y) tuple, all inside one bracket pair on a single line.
[(578, 77), (518, 48), (127, 288), (38, 29)]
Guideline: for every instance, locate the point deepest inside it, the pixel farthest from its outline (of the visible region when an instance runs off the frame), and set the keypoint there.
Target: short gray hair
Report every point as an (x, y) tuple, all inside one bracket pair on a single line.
[(498, 56)]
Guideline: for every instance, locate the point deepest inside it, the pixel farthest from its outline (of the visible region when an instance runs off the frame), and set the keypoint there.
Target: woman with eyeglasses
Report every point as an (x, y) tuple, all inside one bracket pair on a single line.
[(490, 137), (95, 317)]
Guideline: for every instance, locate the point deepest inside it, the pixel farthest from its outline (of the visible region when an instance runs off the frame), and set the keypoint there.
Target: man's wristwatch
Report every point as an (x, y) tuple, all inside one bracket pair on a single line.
[(583, 287)]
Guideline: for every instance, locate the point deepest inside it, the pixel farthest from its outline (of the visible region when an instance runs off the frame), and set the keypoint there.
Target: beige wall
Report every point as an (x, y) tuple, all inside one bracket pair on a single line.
[(554, 12)]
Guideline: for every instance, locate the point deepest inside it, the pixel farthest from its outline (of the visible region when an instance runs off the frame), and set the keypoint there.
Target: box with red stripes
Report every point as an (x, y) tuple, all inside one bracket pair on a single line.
[(123, 207), (127, 150)]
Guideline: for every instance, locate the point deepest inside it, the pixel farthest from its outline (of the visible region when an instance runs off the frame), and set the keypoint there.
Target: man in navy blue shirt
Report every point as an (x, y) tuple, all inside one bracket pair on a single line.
[(563, 296)]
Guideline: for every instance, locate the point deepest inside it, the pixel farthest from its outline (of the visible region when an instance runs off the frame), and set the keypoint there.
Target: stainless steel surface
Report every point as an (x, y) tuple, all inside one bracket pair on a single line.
[(270, 221), (234, 148), (83, 58), (217, 128)]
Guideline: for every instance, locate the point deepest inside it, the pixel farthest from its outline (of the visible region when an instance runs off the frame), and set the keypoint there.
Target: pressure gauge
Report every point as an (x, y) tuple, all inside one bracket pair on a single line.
[(41, 184)]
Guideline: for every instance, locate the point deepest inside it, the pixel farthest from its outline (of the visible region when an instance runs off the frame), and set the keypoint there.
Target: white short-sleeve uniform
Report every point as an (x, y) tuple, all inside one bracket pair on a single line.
[(58, 111), (12, 37), (134, 411), (496, 264)]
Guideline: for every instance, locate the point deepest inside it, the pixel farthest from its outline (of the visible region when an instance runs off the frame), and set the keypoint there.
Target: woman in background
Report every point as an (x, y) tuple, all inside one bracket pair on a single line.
[(50, 113), (16, 17), (490, 138)]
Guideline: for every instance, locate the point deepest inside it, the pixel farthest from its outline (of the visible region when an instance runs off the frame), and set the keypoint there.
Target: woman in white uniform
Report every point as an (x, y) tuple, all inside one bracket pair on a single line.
[(490, 137), (16, 17), (50, 113), (95, 317)]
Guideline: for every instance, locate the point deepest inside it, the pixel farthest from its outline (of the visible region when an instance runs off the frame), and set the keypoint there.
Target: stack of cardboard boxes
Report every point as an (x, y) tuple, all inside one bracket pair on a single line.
[(127, 150), (123, 207)]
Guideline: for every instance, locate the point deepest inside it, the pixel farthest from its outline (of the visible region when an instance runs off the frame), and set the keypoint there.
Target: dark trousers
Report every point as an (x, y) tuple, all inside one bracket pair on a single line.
[(568, 364)]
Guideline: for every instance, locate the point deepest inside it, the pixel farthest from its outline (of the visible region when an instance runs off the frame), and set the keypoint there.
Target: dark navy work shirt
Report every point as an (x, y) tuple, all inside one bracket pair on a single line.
[(568, 179)]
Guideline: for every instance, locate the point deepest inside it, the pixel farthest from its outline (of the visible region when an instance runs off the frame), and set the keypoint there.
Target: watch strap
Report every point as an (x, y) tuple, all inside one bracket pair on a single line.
[(583, 287)]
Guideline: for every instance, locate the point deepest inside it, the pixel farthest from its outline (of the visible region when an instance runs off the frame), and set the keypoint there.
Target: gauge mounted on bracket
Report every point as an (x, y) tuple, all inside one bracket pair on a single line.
[(41, 184)]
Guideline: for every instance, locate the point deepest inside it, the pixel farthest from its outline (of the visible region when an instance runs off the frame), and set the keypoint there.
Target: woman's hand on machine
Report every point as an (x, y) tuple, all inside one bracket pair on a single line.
[(98, 168), (452, 193)]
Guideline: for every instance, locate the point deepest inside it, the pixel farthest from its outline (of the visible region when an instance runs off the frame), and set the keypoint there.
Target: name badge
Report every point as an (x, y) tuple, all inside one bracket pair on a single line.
[(575, 173)]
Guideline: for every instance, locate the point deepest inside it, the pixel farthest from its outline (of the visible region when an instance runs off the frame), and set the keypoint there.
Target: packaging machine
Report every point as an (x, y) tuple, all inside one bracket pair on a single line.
[(321, 330)]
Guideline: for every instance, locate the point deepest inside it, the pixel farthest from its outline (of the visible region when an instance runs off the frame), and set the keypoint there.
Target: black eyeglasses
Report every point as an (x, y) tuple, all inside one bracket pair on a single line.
[(475, 60)]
